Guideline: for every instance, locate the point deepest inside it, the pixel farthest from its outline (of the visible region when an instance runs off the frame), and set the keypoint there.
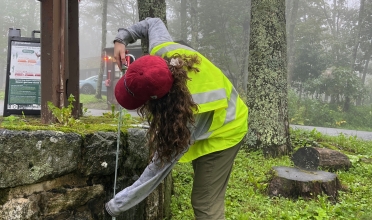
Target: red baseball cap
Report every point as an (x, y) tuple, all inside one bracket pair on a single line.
[(146, 78)]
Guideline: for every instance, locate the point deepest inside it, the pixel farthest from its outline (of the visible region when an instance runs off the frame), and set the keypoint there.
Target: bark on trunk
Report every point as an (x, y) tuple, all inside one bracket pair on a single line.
[(194, 23), (244, 68), (365, 70), (153, 9), (357, 38), (183, 20), (267, 84), (291, 42), (293, 183), (98, 94), (312, 158)]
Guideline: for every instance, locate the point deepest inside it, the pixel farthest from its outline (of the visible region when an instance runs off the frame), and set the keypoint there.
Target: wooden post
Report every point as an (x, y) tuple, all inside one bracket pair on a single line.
[(50, 56), (72, 60), (62, 50), (60, 55)]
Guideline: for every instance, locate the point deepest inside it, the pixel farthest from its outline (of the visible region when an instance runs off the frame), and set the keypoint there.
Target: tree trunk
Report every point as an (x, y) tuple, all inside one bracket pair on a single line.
[(367, 56), (293, 183), (357, 37), (103, 46), (312, 158), (368, 59), (194, 23), (244, 68), (183, 21), (151, 8), (2, 77), (332, 23), (291, 44), (267, 84), (288, 4), (32, 21)]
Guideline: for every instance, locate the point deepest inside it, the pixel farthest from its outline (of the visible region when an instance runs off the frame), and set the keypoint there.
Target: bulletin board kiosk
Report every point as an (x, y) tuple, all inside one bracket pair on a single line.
[(23, 75)]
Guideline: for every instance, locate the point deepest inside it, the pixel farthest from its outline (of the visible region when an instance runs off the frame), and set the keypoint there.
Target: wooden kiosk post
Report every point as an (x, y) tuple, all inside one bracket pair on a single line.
[(59, 55)]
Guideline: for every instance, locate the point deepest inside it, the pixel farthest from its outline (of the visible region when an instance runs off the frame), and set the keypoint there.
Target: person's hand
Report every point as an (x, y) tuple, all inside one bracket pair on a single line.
[(119, 54)]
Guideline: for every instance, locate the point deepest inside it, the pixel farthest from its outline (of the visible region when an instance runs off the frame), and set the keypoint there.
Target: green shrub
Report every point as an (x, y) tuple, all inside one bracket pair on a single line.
[(314, 112)]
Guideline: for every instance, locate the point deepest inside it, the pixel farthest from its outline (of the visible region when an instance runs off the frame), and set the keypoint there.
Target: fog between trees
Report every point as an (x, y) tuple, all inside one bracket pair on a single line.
[(329, 41)]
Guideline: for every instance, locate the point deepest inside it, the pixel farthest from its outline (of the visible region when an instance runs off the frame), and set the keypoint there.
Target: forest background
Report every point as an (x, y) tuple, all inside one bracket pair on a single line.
[(329, 47)]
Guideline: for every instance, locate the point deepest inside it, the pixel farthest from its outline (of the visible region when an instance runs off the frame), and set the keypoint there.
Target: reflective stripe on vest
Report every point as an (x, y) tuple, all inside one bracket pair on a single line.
[(230, 113), (231, 109), (209, 96), (171, 47)]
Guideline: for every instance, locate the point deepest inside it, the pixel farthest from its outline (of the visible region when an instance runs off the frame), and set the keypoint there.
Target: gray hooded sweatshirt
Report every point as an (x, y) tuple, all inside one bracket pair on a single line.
[(155, 31)]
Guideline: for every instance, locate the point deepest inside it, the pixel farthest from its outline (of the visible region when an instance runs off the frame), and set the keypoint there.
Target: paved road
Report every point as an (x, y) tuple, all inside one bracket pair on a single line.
[(329, 131), (366, 135)]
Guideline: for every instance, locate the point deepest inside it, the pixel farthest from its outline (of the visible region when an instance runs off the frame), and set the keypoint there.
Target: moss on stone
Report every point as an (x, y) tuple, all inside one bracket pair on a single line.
[(84, 125)]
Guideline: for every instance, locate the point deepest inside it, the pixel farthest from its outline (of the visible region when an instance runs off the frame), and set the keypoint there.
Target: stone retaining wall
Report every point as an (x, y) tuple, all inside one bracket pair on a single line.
[(59, 176)]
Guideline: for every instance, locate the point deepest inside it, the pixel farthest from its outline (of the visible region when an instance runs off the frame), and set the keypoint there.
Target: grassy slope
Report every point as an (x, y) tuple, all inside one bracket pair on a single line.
[(246, 198), (89, 101)]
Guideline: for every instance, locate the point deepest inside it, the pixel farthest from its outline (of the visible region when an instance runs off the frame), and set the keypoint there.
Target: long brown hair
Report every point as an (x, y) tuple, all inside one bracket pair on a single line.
[(171, 116)]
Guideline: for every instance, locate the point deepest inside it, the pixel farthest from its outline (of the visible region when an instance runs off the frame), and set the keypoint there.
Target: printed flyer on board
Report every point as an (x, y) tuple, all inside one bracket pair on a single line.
[(25, 76)]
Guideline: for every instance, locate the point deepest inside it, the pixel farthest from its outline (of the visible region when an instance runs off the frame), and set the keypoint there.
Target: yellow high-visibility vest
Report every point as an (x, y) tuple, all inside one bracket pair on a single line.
[(212, 91)]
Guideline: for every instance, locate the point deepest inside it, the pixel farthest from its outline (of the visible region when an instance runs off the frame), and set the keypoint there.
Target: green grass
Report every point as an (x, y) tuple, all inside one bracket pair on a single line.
[(246, 194), (66, 123), (91, 102)]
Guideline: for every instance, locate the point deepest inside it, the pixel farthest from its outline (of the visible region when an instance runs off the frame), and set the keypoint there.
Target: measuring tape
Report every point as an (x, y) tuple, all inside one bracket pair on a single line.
[(124, 68)]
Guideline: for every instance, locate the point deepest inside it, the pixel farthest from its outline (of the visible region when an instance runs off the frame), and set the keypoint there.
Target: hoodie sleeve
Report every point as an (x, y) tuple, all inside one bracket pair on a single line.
[(134, 194), (152, 29)]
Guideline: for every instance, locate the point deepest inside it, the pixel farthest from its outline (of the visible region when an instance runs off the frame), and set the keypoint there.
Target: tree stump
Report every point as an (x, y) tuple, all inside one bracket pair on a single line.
[(312, 158), (292, 182)]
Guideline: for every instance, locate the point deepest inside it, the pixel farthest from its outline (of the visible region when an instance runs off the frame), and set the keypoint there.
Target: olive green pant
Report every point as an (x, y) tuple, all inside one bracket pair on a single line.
[(211, 175)]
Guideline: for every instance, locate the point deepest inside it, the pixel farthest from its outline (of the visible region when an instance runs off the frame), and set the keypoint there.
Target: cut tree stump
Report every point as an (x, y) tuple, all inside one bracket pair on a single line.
[(312, 158), (293, 183)]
